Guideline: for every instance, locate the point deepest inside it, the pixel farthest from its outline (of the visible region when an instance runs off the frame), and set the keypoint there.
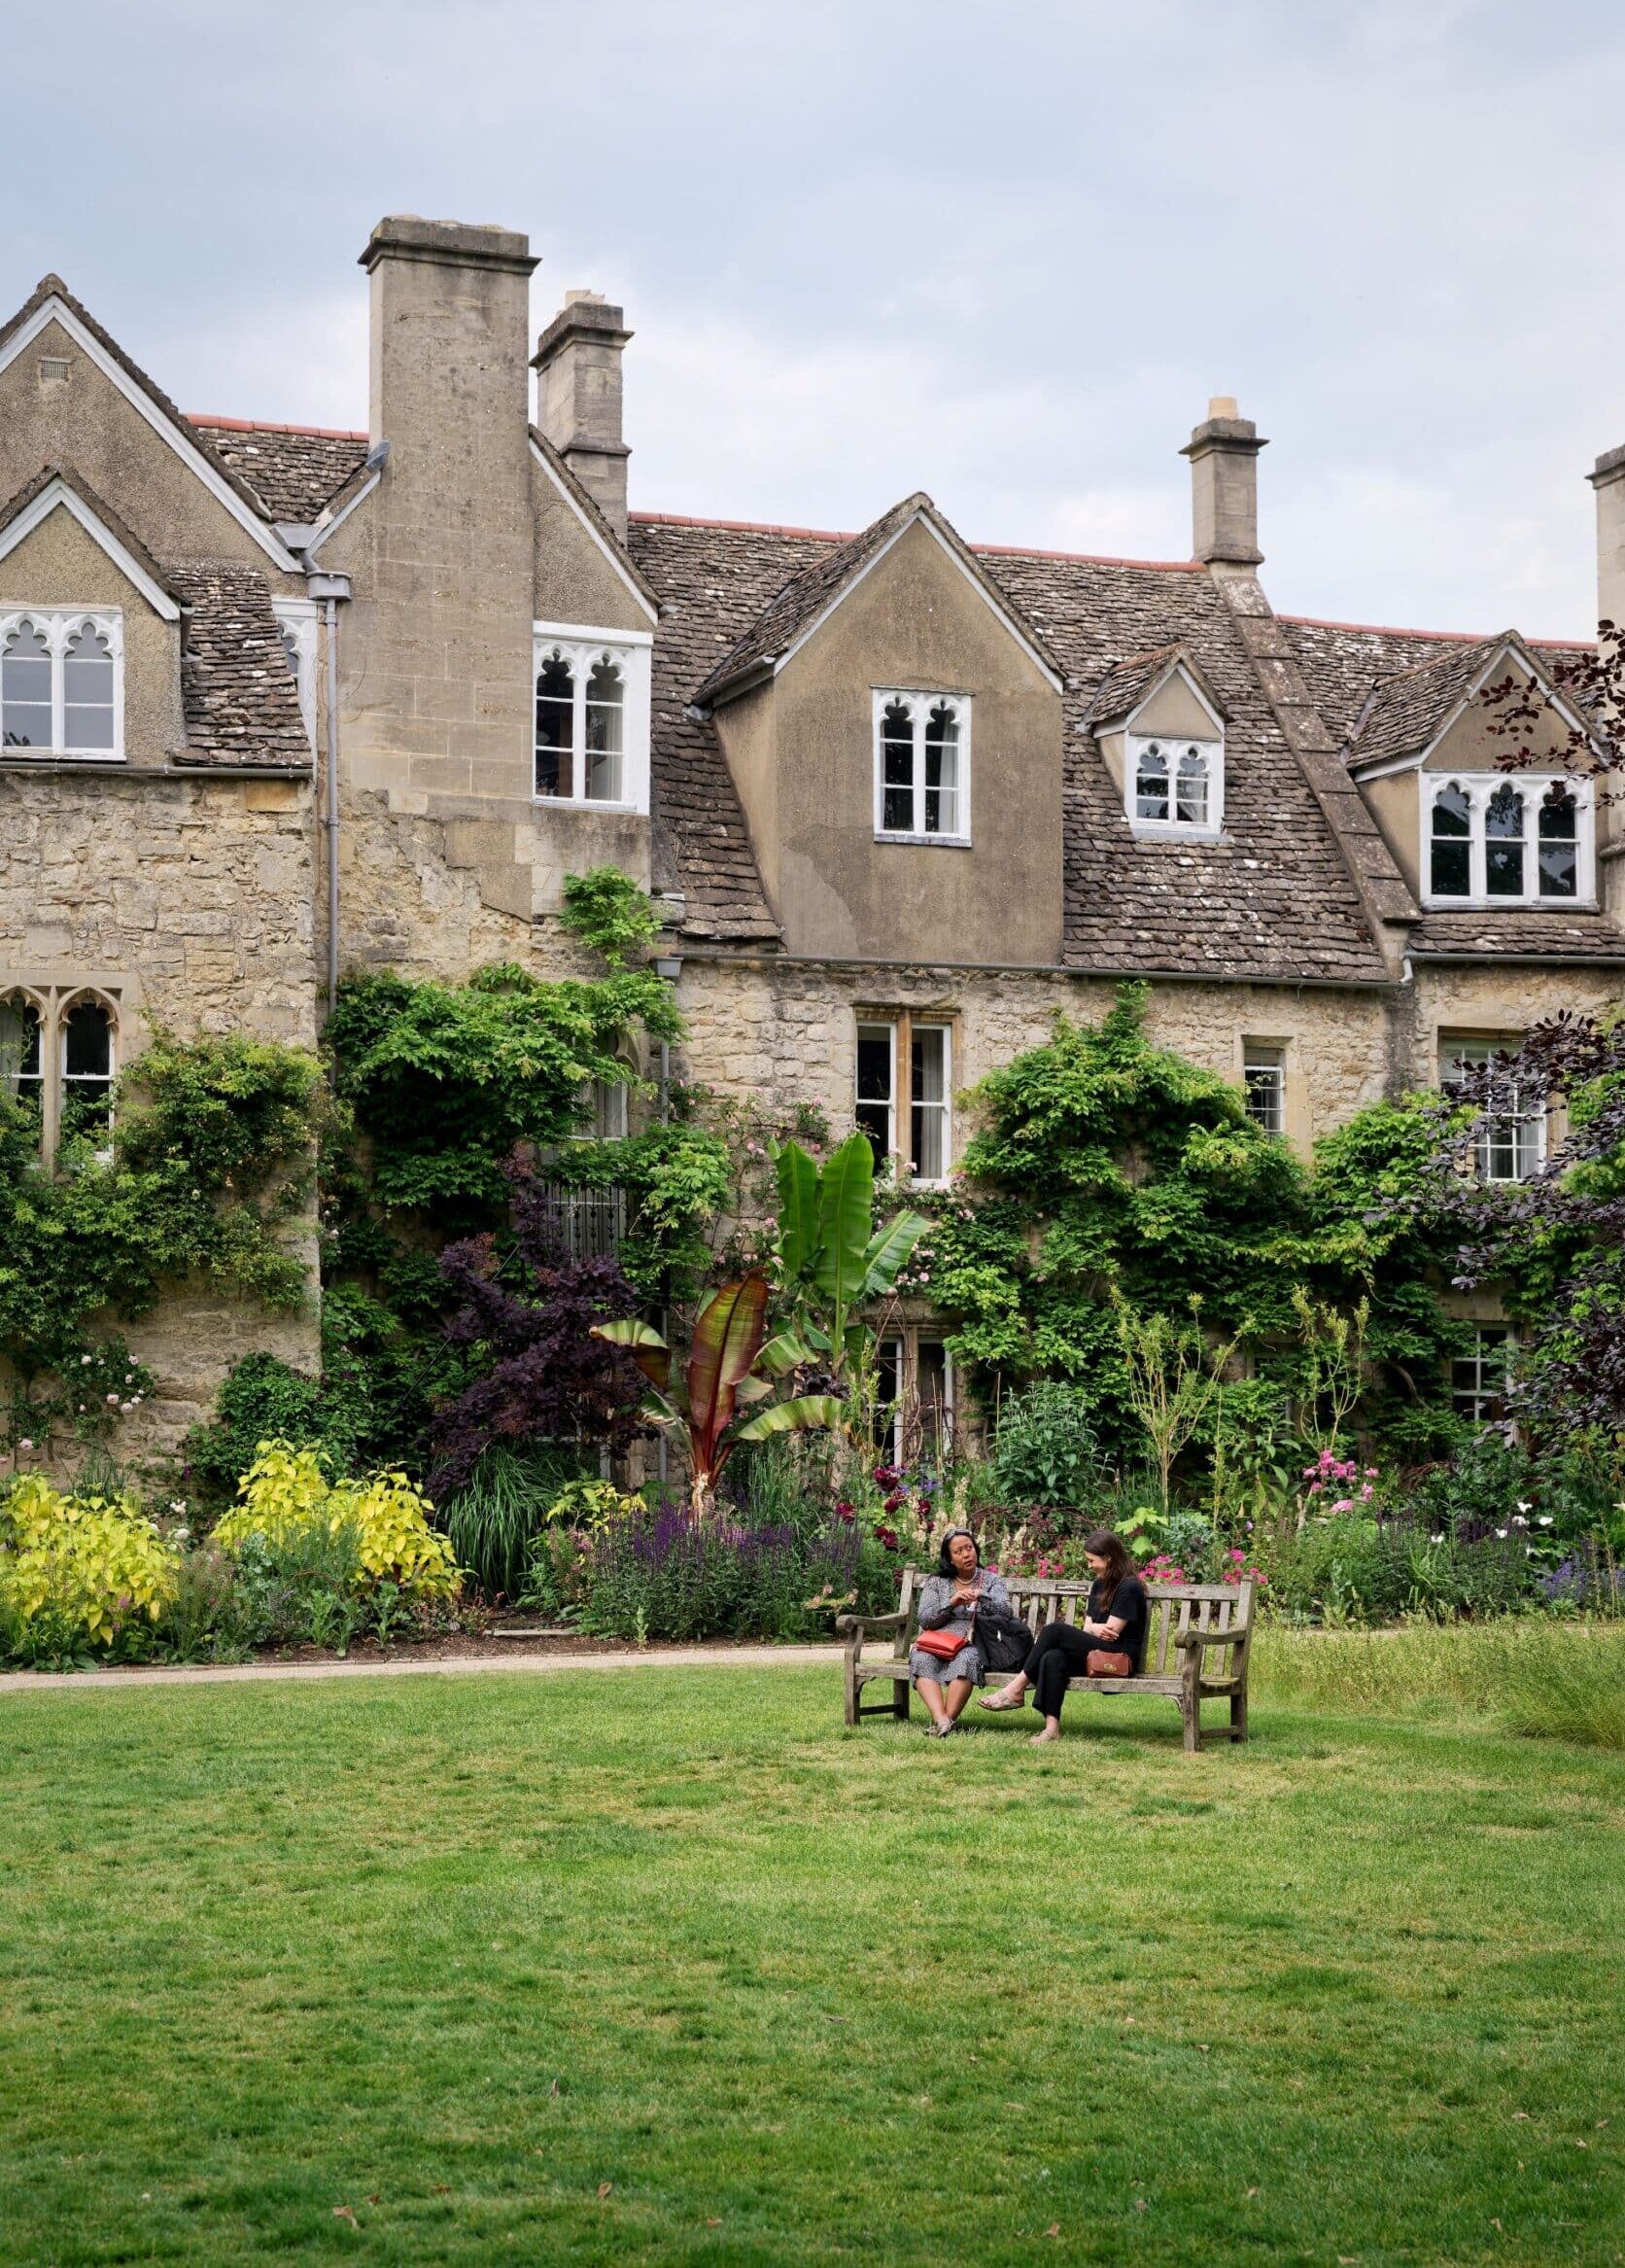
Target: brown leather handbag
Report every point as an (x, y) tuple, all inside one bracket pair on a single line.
[(1100, 1663)]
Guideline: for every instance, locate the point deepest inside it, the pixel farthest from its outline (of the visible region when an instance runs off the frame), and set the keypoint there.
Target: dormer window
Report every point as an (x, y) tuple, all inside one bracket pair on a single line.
[(922, 767), (1493, 842), (1162, 731), (592, 720), (61, 682)]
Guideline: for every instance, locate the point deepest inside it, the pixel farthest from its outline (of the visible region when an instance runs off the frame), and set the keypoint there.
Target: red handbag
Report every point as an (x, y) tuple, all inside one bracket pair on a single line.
[(943, 1644)]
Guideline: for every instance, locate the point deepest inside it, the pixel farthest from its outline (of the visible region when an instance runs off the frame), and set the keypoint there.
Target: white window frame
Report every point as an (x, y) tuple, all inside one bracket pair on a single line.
[(58, 625), (1478, 787), (1498, 1129), (631, 652), (944, 1107), (296, 623), (919, 705), (1211, 825), (1491, 1358), (902, 1346), (1263, 1072)]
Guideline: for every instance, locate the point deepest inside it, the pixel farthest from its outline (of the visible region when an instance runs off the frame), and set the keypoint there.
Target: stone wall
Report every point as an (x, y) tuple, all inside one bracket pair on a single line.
[(188, 899)]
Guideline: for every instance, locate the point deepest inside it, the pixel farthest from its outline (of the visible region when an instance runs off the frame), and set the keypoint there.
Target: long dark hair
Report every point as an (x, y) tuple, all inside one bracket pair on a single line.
[(1115, 1552), (945, 1565)]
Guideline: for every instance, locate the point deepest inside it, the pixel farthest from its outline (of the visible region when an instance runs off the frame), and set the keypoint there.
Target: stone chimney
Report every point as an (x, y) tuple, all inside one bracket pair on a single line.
[(445, 621), (1607, 478), (1223, 454), (578, 388)]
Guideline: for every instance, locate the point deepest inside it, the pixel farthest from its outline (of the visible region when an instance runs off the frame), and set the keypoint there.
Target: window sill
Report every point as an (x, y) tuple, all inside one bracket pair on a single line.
[(1151, 830), (925, 842), (1510, 905), (26, 756), (588, 803)]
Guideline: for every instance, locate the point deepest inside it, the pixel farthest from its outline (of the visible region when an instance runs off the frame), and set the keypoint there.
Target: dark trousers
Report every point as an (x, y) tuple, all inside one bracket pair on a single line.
[(1059, 1652)]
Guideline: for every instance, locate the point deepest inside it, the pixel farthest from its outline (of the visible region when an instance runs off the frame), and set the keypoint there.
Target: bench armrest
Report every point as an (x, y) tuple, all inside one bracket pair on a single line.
[(1230, 1637), (862, 1624)]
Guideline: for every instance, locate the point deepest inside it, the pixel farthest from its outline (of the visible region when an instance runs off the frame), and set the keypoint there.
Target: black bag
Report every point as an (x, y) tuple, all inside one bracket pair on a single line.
[(1003, 1640)]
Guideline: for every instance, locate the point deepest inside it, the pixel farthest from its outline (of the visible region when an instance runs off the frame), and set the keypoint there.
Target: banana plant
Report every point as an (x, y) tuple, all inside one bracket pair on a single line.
[(833, 1261), (731, 1362)]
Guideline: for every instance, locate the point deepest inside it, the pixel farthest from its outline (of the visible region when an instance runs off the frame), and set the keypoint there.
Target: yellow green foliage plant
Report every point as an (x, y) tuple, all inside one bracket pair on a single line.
[(285, 1496), (89, 1570), (594, 1505)]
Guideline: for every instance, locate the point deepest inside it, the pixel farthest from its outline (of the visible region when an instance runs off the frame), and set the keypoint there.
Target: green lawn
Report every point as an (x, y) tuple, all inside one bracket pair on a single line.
[(667, 1967)]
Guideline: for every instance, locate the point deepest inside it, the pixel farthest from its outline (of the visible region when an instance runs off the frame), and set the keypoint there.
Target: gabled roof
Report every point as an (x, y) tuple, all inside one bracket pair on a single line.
[(593, 520), (297, 468), (1387, 694), (1273, 899), (795, 611), (1128, 685), (59, 487), (51, 301), (238, 694)]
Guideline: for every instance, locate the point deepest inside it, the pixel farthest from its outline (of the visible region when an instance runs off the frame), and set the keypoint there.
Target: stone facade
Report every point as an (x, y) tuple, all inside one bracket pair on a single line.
[(188, 880)]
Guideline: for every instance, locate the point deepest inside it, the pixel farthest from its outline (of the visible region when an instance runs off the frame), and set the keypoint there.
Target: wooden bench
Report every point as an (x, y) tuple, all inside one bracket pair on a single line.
[(1197, 1641)]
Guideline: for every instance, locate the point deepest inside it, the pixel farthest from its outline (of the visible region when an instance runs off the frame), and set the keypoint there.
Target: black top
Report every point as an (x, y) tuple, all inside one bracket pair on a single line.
[(1129, 1601)]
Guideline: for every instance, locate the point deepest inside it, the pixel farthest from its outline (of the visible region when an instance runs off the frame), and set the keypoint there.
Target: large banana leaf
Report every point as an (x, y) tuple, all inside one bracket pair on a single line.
[(886, 1251), (727, 1338), (846, 1206), (798, 1209), (802, 1415), (644, 1342), (785, 1352)]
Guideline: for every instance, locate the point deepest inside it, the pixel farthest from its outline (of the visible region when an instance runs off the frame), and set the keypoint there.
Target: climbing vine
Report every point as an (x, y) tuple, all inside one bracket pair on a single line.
[(1108, 1175)]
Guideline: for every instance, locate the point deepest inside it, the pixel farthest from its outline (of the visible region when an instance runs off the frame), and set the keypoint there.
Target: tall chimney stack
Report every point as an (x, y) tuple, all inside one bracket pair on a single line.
[(1223, 454), (1607, 478), (579, 365)]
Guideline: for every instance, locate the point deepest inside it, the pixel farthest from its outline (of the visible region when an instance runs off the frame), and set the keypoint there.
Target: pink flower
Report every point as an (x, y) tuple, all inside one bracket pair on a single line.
[(1343, 1504), (1365, 1494)]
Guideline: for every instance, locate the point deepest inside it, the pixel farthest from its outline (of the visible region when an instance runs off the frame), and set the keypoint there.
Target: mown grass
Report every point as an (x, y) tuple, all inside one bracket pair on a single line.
[(668, 1967), (1558, 1681)]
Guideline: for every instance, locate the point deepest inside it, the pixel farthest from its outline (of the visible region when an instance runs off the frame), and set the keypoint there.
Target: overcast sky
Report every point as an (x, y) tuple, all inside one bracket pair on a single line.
[(1002, 252)]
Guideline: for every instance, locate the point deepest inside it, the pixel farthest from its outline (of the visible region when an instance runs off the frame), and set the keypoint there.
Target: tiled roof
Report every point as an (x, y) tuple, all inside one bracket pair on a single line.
[(1406, 712), (1474, 936), (1413, 675), (1275, 899), (298, 468), (1126, 684), (819, 583), (711, 582), (238, 691)]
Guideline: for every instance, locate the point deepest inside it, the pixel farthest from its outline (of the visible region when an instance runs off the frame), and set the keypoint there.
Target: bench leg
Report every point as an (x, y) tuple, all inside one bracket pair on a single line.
[(852, 1688), (1238, 1715), (1191, 1706), (900, 1693)]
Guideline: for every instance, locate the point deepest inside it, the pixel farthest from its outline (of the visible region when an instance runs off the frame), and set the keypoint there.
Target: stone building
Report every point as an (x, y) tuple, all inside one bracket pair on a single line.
[(278, 703)]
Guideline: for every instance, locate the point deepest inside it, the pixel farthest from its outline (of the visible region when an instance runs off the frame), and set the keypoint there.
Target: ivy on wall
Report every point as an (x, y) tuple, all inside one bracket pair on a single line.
[(213, 1154), (1108, 1170)]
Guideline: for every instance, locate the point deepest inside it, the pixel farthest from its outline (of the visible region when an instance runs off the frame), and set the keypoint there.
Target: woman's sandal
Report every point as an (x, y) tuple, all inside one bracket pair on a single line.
[(1001, 1700)]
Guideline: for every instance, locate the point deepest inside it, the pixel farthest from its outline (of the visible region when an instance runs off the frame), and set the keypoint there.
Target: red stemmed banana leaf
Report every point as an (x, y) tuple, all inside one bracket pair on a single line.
[(728, 1335)]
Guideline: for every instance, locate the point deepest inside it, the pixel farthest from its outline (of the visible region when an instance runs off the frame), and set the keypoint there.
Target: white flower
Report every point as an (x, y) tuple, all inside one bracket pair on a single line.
[(1522, 1506), (1519, 1523), (112, 1398), (24, 1445), (1438, 1539), (1502, 1532), (83, 1358)]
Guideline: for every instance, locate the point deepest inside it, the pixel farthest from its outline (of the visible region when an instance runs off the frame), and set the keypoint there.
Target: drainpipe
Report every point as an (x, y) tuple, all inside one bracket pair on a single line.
[(668, 965), (331, 588)]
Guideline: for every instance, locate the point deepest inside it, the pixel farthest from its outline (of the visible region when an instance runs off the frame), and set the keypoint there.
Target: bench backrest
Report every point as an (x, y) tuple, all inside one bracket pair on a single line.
[(1175, 1607)]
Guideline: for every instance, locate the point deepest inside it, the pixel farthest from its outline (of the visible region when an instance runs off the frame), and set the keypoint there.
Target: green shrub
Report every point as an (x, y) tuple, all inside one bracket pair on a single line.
[(1047, 1451), (260, 1398), (492, 1521)]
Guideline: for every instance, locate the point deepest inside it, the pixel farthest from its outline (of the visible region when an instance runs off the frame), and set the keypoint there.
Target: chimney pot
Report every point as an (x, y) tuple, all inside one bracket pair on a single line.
[(577, 363), (1223, 453)]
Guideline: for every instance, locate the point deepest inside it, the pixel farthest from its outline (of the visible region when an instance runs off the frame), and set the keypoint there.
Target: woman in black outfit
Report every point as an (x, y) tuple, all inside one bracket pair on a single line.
[(1109, 1640)]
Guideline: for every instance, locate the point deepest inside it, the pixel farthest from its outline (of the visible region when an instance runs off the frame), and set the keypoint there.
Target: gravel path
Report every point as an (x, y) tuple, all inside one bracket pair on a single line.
[(443, 1665)]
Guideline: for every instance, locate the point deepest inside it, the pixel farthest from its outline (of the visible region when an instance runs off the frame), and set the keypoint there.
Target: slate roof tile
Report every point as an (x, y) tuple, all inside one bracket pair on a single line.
[(297, 470), (238, 696)]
